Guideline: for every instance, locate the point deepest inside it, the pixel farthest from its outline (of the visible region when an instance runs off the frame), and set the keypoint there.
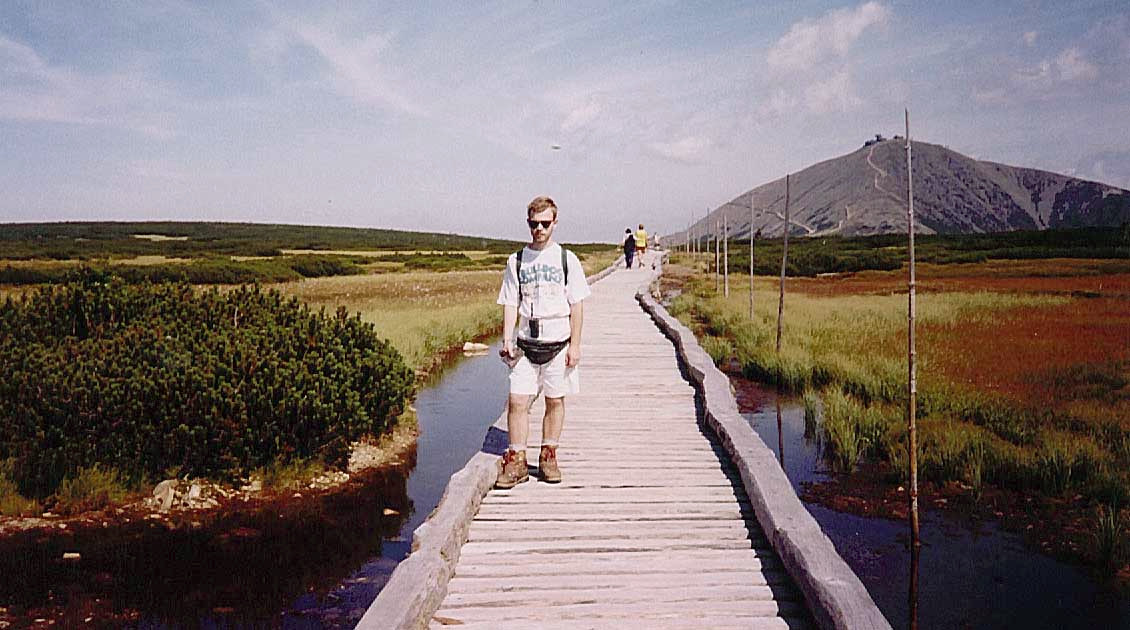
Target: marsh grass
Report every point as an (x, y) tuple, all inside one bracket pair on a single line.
[(12, 503), (88, 489), (284, 475), (719, 348), (421, 313), (1018, 389), (812, 411), (1109, 536)]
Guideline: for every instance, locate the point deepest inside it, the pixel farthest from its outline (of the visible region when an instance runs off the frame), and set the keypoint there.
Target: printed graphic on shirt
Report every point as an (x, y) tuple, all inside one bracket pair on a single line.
[(543, 289), (535, 274)]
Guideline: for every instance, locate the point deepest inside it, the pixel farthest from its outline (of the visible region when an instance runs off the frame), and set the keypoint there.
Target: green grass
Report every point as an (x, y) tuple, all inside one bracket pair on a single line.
[(285, 475), (90, 488), (12, 503), (853, 348)]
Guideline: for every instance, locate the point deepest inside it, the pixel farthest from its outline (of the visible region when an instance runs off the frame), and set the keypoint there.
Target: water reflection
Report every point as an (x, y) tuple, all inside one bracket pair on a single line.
[(236, 565), (966, 575), (306, 562)]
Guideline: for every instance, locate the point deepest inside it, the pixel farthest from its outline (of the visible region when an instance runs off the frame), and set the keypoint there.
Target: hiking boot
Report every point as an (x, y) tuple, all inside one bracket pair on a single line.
[(512, 470), (547, 465)]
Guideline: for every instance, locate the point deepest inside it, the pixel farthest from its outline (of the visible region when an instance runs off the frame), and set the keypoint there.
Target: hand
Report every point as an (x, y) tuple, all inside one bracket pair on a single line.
[(506, 352), (573, 355)]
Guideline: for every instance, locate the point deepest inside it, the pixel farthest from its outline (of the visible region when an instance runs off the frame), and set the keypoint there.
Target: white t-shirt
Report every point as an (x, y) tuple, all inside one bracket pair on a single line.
[(544, 294)]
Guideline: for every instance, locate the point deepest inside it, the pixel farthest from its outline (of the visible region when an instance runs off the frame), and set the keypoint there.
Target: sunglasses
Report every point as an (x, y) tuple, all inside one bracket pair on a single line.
[(534, 224)]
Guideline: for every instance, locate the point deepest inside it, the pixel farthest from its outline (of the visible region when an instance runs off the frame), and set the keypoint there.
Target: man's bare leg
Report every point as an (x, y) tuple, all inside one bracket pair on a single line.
[(512, 467), (518, 420), (551, 434), (553, 421)]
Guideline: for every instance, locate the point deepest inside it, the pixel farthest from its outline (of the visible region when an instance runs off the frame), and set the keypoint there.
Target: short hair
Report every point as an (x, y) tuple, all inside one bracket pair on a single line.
[(627, 230), (539, 204), (641, 226)]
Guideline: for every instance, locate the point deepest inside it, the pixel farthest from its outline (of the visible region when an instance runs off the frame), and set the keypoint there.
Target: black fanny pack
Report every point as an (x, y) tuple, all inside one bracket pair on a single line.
[(541, 352)]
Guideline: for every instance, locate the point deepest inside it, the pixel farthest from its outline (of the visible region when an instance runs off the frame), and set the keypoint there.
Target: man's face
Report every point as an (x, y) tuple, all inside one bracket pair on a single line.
[(539, 231)]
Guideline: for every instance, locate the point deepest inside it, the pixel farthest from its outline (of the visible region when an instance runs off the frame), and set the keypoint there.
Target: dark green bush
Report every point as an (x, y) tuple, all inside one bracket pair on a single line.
[(147, 378)]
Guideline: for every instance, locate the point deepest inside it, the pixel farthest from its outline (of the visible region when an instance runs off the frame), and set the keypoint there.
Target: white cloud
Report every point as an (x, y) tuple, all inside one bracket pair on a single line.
[(811, 63), (581, 116), (32, 89), (1069, 65), (813, 41), (359, 67), (1029, 37), (833, 94), (1072, 66), (687, 149)]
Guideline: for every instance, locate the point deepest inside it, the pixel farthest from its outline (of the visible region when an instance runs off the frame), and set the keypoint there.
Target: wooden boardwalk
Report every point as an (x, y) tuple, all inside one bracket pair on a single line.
[(650, 523)]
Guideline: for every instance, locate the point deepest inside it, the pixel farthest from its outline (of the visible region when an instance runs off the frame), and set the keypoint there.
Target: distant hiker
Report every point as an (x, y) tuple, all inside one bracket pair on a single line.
[(629, 247), (542, 288), (641, 244)]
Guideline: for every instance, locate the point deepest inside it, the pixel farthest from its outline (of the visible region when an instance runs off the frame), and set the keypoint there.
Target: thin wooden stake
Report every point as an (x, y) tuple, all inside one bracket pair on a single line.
[(717, 258), (752, 238), (784, 261), (912, 382), (726, 253)]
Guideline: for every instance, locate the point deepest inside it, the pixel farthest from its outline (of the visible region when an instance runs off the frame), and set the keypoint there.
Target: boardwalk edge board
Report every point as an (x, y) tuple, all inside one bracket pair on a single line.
[(418, 585), (833, 592)]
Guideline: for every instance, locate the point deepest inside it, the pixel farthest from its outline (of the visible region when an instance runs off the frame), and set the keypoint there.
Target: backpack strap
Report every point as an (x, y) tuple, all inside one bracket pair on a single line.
[(518, 274), (565, 266)]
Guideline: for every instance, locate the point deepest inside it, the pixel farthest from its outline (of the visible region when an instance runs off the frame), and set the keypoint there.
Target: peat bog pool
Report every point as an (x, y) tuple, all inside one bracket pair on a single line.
[(969, 576), (305, 563)]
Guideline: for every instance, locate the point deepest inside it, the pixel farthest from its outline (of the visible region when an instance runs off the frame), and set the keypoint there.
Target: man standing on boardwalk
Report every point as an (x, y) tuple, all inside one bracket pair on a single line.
[(542, 288)]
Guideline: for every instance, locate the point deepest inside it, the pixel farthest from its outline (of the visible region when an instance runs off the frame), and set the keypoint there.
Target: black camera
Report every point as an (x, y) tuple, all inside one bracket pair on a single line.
[(535, 328)]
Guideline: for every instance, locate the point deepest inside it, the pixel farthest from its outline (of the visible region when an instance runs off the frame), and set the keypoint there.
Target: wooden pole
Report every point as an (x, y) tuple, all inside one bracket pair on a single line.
[(912, 383), (752, 238), (717, 257), (784, 261), (726, 253)]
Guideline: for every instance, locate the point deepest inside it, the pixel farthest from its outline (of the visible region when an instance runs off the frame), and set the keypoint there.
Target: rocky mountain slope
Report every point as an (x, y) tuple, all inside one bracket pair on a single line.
[(864, 192)]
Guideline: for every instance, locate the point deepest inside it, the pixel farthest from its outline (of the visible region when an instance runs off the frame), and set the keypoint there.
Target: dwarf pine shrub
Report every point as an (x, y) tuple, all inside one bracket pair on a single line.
[(149, 378)]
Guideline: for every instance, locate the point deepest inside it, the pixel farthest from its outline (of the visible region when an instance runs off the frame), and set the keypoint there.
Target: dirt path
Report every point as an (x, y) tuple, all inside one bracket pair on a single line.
[(879, 173)]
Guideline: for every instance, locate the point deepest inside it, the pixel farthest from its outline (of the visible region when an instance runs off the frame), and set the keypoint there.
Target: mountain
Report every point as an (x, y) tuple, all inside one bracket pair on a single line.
[(864, 192)]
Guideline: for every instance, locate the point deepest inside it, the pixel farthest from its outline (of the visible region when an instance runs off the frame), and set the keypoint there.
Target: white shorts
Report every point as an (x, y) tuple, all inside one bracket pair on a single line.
[(553, 378)]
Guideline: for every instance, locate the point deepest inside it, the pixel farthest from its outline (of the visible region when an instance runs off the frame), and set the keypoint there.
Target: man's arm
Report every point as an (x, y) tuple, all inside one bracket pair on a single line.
[(509, 318), (576, 320)]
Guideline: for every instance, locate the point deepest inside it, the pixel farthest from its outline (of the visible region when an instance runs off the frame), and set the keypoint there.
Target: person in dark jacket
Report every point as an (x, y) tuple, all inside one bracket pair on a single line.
[(629, 248)]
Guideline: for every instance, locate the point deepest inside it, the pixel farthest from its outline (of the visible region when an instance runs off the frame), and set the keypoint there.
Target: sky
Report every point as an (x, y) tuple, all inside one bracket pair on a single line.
[(451, 117)]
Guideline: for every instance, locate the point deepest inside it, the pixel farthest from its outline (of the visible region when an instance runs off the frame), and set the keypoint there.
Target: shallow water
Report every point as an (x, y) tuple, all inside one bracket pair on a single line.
[(305, 562), (969, 577), (454, 414)]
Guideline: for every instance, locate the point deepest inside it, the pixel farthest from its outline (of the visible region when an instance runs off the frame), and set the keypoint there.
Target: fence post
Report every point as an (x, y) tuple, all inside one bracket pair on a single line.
[(726, 253), (912, 386), (784, 261)]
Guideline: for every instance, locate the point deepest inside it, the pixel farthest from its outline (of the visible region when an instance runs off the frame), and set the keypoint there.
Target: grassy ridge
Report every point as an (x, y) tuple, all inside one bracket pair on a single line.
[(82, 240), (837, 254)]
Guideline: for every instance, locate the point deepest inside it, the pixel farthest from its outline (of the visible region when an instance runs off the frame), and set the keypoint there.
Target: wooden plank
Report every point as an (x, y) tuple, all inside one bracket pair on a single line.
[(609, 610), (674, 591), (628, 565), (698, 623), (461, 584)]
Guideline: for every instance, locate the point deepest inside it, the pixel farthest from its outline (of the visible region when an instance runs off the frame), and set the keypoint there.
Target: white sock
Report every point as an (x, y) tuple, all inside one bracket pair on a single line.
[(552, 443), (518, 448)]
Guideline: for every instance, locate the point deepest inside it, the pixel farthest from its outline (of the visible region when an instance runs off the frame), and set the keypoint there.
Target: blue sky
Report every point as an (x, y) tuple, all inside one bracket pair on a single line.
[(442, 116)]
